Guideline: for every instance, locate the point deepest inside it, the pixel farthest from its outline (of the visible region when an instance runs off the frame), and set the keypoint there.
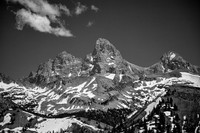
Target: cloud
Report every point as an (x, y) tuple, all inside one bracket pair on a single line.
[(42, 7), (39, 23), (90, 23), (43, 16), (39, 14), (94, 8), (65, 9), (80, 8)]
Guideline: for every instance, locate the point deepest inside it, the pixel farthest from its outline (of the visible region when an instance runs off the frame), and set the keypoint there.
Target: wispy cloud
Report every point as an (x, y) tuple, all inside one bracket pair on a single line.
[(39, 23), (39, 14), (89, 24), (80, 8), (65, 9), (42, 16), (94, 8)]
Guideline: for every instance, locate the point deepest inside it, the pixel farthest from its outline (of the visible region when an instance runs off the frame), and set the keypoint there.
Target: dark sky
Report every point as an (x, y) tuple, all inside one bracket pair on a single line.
[(142, 30)]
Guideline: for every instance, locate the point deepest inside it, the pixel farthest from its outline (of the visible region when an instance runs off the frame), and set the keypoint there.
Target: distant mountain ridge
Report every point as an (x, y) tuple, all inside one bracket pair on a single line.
[(98, 93), (105, 58)]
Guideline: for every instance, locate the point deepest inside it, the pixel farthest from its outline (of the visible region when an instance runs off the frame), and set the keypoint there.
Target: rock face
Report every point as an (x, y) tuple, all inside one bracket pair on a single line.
[(5, 78), (104, 51), (173, 61), (97, 89), (105, 58), (63, 66)]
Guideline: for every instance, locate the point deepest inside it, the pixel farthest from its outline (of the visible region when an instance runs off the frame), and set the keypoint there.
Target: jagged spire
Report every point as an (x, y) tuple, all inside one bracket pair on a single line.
[(104, 49), (170, 55)]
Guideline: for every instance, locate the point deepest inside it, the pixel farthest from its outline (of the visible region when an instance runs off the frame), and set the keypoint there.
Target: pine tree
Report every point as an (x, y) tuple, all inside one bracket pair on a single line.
[(176, 118), (162, 121), (178, 128), (145, 126), (168, 128), (171, 101), (168, 100), (175, 107), (163, 101)]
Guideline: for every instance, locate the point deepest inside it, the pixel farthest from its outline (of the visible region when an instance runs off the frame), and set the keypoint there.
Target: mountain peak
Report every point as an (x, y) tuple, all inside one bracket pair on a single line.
[(173, 61), (170, 55), (105, 58), (104, 49), (63, 53), (65, 57), (103, 42), (64, 65)]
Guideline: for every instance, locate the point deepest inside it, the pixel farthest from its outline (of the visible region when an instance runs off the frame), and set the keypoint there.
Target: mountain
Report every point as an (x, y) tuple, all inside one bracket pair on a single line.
[(99, 93)]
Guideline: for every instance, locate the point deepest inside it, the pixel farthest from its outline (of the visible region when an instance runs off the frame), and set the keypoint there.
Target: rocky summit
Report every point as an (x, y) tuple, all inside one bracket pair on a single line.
[(103, 93)]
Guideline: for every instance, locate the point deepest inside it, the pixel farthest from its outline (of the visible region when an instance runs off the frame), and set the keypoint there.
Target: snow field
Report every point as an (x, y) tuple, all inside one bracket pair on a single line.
[(195, 79)]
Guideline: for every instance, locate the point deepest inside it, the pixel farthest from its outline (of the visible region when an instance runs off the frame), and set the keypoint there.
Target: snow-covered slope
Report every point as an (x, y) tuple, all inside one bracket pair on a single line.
[(103, 81)]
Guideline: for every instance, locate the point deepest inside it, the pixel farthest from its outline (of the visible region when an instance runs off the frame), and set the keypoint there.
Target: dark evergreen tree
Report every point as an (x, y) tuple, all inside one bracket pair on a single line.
[(168, 100), (145, 126), (162, 122), (171, 101), (163, 101), (178, 128), (175, 107), (176, 119), (168, 128)]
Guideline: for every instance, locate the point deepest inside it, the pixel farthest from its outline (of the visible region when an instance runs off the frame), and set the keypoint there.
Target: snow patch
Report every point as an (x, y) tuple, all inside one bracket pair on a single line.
[(120, 77), (38, 90), (30, 117), (63, 101), (46, 92), (80, 87), (54, 125), (62, 108), (129, 116), (40, 103), (167, 113), (127, 96), (123, 105), (91, 66), (6, 120), (6, 86), (110, 76), (94, 86), (69, 75), (89, 94), (91, 81), (195, 79), (172, 55), (59, 87), (130, 68), (15, 130), (151, 106), (111, 63)]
